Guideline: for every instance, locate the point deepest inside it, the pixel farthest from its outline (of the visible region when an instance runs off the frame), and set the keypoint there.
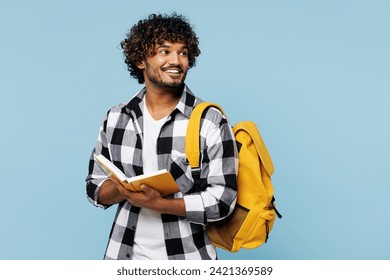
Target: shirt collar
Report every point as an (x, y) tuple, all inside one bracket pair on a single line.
[(187, 102)]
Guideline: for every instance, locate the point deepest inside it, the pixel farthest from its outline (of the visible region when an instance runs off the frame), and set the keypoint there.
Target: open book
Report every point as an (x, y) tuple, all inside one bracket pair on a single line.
[(160, 180)]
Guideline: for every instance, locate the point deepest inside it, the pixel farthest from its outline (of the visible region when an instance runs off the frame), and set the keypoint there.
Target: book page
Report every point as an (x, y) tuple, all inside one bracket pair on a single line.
[(109, 168)]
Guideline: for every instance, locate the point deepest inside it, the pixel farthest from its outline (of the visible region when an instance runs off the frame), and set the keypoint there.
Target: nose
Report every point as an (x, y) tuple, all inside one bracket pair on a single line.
[(174, 58)]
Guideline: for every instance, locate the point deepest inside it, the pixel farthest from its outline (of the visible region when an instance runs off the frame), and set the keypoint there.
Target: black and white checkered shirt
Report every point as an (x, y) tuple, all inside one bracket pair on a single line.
[(212, 197)]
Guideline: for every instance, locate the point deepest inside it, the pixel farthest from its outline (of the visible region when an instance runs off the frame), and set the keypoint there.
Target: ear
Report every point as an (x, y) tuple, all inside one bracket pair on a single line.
[(141, 65)]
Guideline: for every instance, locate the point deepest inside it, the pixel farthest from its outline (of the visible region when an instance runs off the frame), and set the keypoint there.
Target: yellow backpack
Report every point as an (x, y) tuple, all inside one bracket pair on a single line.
[(253, 217)]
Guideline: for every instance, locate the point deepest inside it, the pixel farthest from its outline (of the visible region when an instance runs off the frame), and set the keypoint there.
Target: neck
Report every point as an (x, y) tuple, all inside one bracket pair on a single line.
[(161, 101)]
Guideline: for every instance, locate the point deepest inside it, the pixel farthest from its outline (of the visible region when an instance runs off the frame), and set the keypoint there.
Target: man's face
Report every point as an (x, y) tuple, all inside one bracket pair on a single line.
[(167, 66)]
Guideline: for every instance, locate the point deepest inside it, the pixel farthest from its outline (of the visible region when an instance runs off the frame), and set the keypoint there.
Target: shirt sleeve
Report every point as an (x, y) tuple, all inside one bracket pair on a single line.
[(218, 177), (96, 176)]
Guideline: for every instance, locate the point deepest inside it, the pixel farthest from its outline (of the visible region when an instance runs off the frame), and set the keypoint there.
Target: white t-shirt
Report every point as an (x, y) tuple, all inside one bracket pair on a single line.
[(149, 237)]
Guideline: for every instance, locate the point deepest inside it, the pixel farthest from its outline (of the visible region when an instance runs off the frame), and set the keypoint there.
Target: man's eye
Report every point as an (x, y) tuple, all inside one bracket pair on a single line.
[(184, 53), (164, 52)]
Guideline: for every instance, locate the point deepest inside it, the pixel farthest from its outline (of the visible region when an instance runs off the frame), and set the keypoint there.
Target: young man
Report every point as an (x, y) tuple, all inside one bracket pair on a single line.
[(148, 134)]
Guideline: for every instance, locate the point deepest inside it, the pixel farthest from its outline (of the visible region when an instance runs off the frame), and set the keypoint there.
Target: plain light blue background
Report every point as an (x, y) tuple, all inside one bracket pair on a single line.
[(314, 76)]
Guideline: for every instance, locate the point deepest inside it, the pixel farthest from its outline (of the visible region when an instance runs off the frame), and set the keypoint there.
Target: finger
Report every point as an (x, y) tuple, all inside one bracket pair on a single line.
[(125, 192), (146, 189)]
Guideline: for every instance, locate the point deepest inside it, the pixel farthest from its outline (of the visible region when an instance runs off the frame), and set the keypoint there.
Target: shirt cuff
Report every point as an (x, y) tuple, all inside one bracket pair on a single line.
[(96, 196), (195, 212)]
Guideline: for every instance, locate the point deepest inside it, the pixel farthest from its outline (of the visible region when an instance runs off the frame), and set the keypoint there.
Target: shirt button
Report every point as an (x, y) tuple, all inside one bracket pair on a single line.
[(128, 256)]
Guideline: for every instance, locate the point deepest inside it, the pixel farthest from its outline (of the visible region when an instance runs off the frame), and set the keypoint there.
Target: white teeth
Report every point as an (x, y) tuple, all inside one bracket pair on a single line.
[(173, 71)]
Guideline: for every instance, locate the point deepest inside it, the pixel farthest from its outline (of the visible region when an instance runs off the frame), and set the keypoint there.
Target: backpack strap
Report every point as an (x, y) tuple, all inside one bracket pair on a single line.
[(252, 130), (192, 147), (192, 137)]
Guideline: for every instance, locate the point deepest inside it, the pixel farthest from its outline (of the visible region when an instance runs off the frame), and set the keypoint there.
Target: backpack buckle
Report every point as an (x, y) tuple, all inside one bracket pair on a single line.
[(195, 172)]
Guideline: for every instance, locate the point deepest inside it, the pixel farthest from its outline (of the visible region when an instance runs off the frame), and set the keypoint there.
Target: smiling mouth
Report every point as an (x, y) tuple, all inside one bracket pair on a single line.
[(172, 71)]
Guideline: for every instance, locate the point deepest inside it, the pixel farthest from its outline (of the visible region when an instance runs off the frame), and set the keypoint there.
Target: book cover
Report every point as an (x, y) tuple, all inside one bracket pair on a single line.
[(160, 180)]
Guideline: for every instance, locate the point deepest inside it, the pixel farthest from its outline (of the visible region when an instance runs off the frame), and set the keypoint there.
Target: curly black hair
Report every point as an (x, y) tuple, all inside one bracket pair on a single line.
[(153, 30)]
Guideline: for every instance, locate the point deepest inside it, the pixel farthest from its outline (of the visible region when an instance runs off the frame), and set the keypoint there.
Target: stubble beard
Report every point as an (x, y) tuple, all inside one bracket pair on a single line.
[(155, 77)]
